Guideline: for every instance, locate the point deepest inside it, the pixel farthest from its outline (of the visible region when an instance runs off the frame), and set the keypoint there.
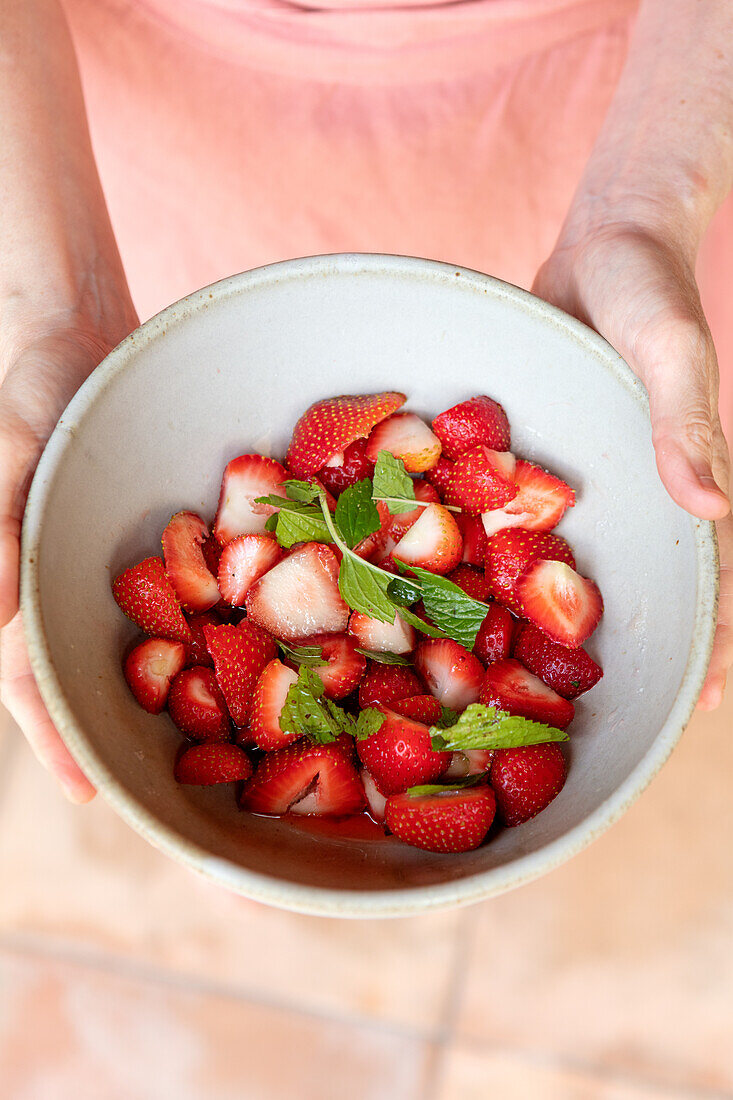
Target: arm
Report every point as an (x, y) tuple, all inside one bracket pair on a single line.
[(625, 258), (64, 301)]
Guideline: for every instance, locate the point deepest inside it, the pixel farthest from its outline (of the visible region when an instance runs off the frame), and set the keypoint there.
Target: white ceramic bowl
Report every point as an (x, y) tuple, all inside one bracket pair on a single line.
[(229, 370)]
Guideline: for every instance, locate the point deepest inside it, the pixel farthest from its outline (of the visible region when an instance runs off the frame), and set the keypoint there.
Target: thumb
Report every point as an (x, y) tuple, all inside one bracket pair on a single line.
[(19, 451)]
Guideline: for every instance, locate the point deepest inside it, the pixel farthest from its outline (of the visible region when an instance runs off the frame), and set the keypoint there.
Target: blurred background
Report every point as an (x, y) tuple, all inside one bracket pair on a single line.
[(125, 977)]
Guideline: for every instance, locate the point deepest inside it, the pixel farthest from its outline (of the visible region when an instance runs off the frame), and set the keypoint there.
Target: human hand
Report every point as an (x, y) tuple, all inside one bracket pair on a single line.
[(41, 368), (637, 288)]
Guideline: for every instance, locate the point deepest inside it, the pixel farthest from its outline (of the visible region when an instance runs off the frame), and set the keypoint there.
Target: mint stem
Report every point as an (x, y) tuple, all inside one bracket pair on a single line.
[(334, 533)]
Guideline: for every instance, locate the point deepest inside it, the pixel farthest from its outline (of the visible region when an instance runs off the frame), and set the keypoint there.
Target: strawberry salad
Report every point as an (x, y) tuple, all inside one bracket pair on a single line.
[(385, 623)]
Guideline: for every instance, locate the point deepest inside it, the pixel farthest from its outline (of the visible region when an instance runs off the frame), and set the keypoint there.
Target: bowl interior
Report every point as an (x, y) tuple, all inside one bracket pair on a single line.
[(228, 371)]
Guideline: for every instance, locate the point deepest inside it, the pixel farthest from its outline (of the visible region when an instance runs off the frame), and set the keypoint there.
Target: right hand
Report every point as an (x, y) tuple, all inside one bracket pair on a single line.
[(41, 369)]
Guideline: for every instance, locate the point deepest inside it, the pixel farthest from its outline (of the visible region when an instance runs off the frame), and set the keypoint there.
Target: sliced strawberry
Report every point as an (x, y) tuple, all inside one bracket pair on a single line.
[(192, 580), (472, 581), (300, 595), (569, 672), (149, 669), (246, 478), (451, 821), (482, 479), (328, 427), (559, 601), (269, 699), (433, 543), (205, 765), (345, 667), (387, 683), (439, 475), (196, 651), (240, 653), (400, 524), (479, 420), (526, 780), (494, 638), (453, 675), (396, 637), (243, 561), (469, 762), (376, 801), (144, 593), (509, 686), (408, 437), (474, 538), (400, 754), (196, 705), (541, 501), (423, 708), (510, 553), (346, 468), (305, 779)]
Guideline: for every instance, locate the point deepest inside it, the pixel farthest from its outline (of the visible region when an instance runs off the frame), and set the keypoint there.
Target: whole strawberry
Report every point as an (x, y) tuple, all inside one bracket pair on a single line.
[(146, 596), (449, 820), (526, 780)]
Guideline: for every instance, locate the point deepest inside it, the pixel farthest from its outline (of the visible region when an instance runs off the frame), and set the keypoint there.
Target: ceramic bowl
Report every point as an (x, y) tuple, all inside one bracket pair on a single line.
[(229, 370)]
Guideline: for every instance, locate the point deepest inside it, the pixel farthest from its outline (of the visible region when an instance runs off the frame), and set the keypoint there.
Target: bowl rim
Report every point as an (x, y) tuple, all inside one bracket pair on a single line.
[(315, 900)]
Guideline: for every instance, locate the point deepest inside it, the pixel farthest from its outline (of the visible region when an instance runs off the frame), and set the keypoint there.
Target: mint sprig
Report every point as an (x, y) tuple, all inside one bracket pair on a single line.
[(307, 713), (384, 658), (296, 520), (310, 656), (394, 486), (484, 727), (448, 606)]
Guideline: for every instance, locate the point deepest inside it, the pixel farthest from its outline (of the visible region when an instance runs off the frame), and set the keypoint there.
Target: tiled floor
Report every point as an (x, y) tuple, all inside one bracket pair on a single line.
[(124, 976)]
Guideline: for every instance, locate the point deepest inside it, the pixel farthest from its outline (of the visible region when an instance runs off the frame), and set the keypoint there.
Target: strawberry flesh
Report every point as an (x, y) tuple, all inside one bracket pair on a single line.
[(149, 669), (408, 437), (526, 780), (397, 637), (269, 699), (192, 580), (566, 606), (539, 504), (145, 594), (246, 478), (474, 539), (508, 685), (243, 561), (400, 523), (305, 778), (479, 420), (510, 553), (344, 668), (569, 672), (329, 426), (196, 705), (453, 674), (433, 543), (300, 595), (452, 821)]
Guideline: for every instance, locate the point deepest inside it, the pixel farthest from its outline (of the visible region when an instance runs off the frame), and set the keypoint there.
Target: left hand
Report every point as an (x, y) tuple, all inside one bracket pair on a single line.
[(638, 290)]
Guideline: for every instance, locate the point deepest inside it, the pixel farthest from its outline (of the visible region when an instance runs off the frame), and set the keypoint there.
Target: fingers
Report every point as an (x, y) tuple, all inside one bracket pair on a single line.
[(22, 698), (722, 655), (18, 452)]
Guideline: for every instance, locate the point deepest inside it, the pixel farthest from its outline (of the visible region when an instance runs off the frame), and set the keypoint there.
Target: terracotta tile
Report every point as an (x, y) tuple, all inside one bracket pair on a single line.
[(71, 1033), (622, 958), (81, 877), (470, 1074)]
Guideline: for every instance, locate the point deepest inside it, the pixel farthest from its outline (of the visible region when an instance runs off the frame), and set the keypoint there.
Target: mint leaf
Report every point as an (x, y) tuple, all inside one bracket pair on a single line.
[(271, 522), (356, 513), (300, 526), (485, 727), (365, 590), (306, 712), (448, 717), (367, 723), (392, 484), (445, 788), (448, 606), (403, 592), (419, 624), (302, 490), (384, 658), (308, 655)]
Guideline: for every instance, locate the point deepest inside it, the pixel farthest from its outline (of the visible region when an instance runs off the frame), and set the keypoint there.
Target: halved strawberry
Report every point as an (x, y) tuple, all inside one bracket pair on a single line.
[(474, 538), (346, 468), (482, 479), (400, 754), (408, 437), (526, 780), (376, 801), (328, 427), (196, 705), (569, 672), (240, 653), (205, 765), (246, 478), (396, 637), (478, 420), (469, 762), (305, 779), (192, 580), (345, 667), (149, 669), (559, 601), (494, 638), (434, 542), (144, 593), (300, 595), (450, 821), (540, 503), (440, 474), (509, 686), (387, 683), (423, 708), (196, 651), (472, 581), (510, 553), (452, 673), (269, 699), (243, 561), (399, 524)]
